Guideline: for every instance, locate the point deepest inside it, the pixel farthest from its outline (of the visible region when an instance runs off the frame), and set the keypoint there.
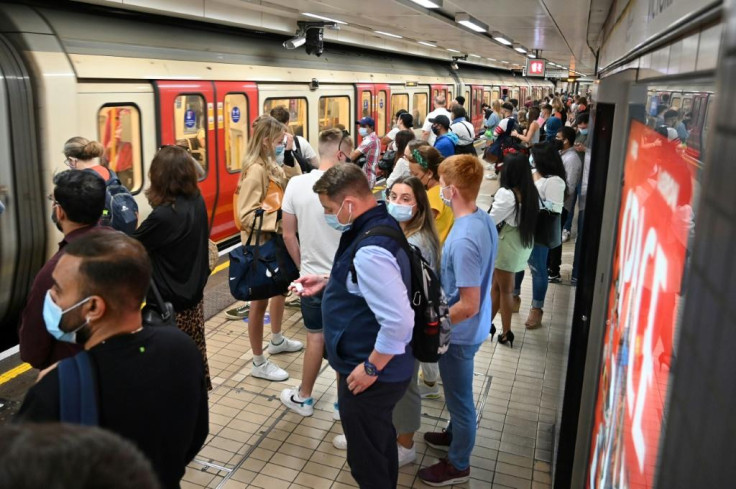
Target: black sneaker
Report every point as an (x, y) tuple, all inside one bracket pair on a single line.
[(555, 279)]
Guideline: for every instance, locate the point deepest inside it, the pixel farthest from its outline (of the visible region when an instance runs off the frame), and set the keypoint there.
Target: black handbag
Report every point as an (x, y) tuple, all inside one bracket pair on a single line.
[(549, 228), (160, 313), (261, 271), (386, 163)]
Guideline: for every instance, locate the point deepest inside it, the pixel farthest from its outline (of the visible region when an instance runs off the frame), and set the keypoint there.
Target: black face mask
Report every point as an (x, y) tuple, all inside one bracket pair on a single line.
[(436, 130), (559, 144)]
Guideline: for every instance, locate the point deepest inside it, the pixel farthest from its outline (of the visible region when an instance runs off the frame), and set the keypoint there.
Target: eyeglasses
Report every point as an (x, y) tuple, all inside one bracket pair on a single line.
[(52, 199)]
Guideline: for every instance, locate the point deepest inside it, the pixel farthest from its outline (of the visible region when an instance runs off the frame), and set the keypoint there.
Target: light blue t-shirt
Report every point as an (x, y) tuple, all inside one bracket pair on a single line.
[(468, 258)]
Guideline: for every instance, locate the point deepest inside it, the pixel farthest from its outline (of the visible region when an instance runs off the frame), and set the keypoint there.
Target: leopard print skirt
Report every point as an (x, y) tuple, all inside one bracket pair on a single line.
[(191, 321)]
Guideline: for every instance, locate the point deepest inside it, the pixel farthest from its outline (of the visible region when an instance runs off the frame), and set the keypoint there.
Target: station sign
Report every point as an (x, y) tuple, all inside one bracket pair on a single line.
[(536, 67)]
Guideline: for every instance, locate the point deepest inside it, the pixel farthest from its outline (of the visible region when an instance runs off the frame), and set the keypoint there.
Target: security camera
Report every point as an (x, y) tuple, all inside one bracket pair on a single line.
[(296, 41), (454, 66), (314, 84)]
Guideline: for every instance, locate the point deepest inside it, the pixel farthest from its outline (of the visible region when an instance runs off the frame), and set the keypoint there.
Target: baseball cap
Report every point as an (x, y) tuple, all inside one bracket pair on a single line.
[(367, 121), (443, 120)]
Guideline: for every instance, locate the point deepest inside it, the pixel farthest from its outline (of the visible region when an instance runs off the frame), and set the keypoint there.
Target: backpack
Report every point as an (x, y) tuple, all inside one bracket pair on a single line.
[(78, 391), (431, 334), (304, 163), (121, 210)]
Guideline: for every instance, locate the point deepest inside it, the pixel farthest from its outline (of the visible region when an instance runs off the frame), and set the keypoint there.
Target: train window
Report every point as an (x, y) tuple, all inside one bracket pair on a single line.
[(366, 107), (382, 103), (334, 112), (676, 102), (297, 108), (687, 104), (236, 130), (419, 102), (119, 131), (495, 94), (190, 117), (467, 101), (487, 97), (399, 101)]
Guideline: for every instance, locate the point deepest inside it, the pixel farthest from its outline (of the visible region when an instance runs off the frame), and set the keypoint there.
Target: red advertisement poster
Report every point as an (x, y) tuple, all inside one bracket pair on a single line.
[(655, 220)]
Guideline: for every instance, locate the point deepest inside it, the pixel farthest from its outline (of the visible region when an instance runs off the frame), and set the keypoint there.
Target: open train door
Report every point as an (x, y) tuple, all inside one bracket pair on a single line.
[(187, 118), (237, 108), (373, 100)]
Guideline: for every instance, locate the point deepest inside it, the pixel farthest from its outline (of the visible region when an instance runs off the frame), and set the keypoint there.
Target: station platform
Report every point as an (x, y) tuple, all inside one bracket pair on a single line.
[(256, 442)]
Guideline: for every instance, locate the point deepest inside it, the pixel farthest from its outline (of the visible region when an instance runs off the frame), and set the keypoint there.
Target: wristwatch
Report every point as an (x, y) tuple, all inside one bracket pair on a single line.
[(370, 369)]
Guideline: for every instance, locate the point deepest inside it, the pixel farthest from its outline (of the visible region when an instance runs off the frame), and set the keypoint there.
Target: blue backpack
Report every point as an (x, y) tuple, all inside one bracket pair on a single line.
[(121, 209)]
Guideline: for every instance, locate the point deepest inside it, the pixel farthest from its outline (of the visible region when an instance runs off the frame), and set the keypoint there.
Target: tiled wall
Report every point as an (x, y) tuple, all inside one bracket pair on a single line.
[(699, 444)]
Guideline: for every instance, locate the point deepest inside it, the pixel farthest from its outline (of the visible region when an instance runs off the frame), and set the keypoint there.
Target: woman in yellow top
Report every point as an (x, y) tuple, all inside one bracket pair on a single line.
[(263, 163), (423, 163)]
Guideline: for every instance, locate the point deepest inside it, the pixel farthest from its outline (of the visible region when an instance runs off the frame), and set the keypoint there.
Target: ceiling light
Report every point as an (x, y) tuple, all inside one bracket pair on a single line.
[(519, 49), (505, 62), (498, 37), (429, 3), (315, 16), (470, 22), (531, 55), (427, 44), (474, 56), (388, 34), (491, 59), (453, 50)]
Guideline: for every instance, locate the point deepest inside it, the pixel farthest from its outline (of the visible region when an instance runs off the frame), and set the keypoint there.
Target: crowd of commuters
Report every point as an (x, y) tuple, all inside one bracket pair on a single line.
[(150, 384)]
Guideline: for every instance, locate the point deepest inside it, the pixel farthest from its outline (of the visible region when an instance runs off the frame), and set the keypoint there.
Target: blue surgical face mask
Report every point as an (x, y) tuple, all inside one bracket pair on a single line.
[(335, 223), (280, 154), (363, 131), (401, 213), (584, 132), (445, 200), (52, 315)]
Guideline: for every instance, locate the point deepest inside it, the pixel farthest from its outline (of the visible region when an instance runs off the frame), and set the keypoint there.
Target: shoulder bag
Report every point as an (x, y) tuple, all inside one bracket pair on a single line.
[(261, 271), (549, 228), (161, 313)]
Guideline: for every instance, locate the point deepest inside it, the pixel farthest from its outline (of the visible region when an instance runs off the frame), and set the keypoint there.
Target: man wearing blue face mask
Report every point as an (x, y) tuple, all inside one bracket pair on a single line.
[(76, 206), (369, 322), (370, 147), (148, 383)]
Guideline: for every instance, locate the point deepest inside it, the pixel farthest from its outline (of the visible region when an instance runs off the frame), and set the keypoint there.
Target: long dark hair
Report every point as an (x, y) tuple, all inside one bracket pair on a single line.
[(515, 176), (548, 161), (172, 174), (402, 139)]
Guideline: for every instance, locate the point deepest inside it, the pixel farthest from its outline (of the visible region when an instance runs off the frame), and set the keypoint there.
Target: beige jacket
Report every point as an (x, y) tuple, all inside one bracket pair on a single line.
[(251, 191)]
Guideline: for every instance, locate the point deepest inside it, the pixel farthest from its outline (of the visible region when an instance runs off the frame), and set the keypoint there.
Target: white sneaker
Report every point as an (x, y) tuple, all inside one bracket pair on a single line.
[(292, 400), (340, 442), (286, 345), (269, 371), (336, 412), (565, 235), (492, 176), (429, 391), (406, 455)]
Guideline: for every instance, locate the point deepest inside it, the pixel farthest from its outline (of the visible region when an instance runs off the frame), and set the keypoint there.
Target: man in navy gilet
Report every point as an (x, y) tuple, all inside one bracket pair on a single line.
[(368, 323)]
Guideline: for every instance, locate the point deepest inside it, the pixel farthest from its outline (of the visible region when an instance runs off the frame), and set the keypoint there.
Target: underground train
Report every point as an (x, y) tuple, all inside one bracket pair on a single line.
[(136, 83)]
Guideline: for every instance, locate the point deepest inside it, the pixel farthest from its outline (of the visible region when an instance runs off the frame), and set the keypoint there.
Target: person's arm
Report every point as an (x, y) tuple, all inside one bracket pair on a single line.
[(154, 232), (427, 128), (290, 226), (250, 196), (381, 284), (504, 205), (468, 305), (533, 128), (358, 152)]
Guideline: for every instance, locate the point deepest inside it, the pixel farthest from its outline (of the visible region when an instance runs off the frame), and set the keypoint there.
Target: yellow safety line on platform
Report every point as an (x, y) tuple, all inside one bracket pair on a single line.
[(13, 373), (220, 267)]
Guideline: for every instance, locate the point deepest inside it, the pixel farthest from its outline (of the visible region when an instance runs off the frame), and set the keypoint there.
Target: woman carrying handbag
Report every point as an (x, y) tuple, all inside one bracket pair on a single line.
[(549, 178), (260, 190)]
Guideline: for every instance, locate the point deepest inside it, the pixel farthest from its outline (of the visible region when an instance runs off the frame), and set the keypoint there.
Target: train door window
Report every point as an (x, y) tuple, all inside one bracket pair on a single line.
[(190, 117), (487, 97), (297, 108), (419, 102), (399, 101), (687, 104), (236, 130), (676, 102), (381, 107), (334, 112), (467, 101), (366, 107), (119, 131), (495, 94)]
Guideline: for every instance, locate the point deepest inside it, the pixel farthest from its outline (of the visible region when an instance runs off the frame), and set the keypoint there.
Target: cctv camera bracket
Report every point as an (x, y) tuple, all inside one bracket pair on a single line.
[(303, 27), (460, 58)]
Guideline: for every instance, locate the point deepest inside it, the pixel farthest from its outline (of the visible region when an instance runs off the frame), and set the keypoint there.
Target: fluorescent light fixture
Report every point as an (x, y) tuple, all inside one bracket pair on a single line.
[(429, 3), (427, 44), (519, 49), (498, 37), (505, 62), (453, 50), (470, 22), (321, 17), (474, 56), (531, 55), (491, 59), (389, 34)]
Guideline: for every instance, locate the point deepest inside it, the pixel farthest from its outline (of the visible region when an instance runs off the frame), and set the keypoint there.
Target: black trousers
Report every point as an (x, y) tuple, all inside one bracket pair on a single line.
[(554, 259), (369, 429)]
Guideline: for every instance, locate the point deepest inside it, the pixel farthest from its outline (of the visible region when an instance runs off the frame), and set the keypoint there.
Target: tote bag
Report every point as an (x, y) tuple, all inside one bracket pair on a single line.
[(549, 228)]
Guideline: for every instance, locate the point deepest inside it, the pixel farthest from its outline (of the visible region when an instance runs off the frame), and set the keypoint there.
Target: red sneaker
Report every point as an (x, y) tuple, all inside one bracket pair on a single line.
[(443, 473), (439, 440)]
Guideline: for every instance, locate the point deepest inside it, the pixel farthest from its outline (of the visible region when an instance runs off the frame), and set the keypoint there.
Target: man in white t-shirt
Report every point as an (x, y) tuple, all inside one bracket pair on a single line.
[(440, 109), (313, 252)]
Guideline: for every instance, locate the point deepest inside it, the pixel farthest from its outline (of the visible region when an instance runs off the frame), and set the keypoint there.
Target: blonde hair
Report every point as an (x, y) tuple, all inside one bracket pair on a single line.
[(83, 149), (265, 128), (496, 106)]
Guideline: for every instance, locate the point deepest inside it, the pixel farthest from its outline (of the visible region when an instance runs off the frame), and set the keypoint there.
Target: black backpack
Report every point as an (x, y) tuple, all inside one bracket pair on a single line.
[(304, 163), (431, 335), (121, 210)]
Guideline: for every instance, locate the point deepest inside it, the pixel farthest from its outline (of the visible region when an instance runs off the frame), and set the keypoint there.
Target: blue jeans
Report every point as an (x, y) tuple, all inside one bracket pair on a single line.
[(456, 370), (540, 279)]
